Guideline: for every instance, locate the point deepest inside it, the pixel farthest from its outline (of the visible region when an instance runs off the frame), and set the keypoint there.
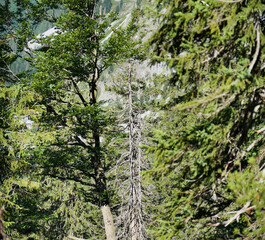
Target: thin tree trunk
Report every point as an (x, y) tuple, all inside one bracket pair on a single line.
[(99, 173), (131, 215), (2, 231), (139, 167), (135, 166), (108, 222), (132, 156)]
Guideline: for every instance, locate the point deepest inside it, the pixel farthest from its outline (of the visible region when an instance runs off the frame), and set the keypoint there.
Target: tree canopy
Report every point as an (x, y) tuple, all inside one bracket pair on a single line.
[(174, 154), (211, 132)]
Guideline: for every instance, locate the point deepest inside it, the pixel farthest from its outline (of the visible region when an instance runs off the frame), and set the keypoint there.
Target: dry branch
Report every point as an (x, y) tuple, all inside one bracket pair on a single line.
[(261, 130), (246, 208), (229, 1), (75, 238), (252, 145), (254, 60), (214, 56)]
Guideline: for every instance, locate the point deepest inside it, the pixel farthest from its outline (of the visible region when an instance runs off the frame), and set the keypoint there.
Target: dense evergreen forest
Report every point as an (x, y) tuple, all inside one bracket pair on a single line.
[(132, 119)]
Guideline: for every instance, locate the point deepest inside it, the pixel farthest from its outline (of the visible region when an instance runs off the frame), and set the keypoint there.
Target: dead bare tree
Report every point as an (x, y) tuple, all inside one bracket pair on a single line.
[(135, 158), (130, 220)]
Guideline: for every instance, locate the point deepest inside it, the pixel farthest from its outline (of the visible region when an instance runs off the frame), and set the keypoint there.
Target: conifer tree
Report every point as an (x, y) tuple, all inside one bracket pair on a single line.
[(74, 61), (209, 147), (73, 125), (66, 142), (129, 167), (17, 192), (128, 103)]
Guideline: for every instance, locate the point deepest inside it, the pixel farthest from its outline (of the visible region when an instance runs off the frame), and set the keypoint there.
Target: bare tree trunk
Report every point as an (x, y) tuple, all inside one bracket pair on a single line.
[(108, 222), (132, 158), (100, 13), (139, 167), (135, 207), (129, 166), (2, 232)]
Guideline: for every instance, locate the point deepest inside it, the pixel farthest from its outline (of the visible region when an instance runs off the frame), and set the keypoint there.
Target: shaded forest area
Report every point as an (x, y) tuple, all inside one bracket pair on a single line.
[(132, 119)]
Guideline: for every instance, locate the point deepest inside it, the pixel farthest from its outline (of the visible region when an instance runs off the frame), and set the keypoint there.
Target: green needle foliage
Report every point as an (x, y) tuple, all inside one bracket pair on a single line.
[(210, 138), (68, 142), (66, 148), (17, 191), (208, 134)]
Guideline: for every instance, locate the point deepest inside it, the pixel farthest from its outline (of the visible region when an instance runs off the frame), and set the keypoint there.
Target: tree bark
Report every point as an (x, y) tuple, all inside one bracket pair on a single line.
[(99, 173), (2, 232), (132, 157), (136, 230), (108, 222)]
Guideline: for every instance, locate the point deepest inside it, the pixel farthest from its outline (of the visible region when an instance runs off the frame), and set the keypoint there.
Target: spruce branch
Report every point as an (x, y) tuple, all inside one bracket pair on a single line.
[(226, 104), (203, 101), (71, 179)]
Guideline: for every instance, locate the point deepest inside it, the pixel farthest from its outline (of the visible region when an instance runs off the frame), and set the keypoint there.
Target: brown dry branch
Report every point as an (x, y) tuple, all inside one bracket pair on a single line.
[(244, 209)]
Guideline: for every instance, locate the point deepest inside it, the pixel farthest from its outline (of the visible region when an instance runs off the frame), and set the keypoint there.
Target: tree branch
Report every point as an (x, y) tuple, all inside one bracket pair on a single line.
[(246, 208), (254, 60), (252, 145), (75, 238), (77, 90), (71, 179), (229, 1), (214, 56), (226, 104)]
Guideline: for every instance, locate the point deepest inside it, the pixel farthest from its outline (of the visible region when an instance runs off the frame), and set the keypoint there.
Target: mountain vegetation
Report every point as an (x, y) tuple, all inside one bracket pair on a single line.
[(132, 119)]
